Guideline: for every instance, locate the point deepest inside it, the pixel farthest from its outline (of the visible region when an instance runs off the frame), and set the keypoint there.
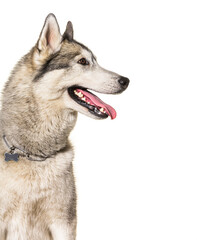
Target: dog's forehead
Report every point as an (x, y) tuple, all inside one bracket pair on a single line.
[(68, 47), (77, 49), (86, 54)]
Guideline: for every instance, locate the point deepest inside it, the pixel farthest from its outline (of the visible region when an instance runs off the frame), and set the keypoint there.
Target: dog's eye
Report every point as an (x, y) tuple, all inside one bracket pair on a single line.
[(83, 61)]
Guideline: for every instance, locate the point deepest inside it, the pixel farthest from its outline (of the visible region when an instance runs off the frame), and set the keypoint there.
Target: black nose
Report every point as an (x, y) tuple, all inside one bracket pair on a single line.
[(124, 82)]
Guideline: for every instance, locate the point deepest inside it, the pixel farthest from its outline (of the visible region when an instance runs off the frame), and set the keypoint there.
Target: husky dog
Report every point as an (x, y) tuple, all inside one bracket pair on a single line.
[(40, 101)]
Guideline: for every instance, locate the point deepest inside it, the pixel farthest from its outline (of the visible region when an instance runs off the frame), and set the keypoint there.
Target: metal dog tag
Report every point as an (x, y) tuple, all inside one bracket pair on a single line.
[(11, 157)]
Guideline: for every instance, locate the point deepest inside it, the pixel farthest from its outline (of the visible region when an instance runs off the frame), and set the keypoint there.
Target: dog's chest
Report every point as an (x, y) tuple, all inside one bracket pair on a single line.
[(29, 190)]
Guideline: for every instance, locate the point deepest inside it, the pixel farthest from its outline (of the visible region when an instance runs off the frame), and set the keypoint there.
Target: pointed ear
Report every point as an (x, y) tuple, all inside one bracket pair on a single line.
[(50, 37), (68, 34)]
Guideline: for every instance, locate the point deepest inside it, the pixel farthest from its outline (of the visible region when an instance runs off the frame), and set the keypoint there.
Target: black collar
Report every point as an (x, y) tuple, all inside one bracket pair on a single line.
[(14, 156)]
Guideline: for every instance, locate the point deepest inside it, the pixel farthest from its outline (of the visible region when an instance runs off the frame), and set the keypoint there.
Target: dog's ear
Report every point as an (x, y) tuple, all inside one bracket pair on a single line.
[(68, 34), (50, 37)]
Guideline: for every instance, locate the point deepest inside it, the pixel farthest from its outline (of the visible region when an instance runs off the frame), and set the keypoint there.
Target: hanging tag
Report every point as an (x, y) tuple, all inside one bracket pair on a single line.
[(11, 157)]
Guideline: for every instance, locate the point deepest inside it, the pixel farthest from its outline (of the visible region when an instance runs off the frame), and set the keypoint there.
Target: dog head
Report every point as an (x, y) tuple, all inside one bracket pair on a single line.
[(66, 70)]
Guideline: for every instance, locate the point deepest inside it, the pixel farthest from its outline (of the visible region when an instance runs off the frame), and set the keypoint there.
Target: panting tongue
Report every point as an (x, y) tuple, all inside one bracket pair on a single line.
[(99, 103)]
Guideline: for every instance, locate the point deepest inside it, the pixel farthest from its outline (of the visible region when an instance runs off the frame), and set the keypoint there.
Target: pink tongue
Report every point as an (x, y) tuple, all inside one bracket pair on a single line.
[(98, 102)]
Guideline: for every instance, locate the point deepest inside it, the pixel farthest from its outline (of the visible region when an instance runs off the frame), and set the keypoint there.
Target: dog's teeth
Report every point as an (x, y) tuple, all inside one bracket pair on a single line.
[(102, 109), (91, 107), (83, 98), (88, 102)]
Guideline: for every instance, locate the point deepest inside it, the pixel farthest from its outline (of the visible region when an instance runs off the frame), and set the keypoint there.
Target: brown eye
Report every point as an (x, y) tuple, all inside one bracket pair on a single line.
[(83, 61)]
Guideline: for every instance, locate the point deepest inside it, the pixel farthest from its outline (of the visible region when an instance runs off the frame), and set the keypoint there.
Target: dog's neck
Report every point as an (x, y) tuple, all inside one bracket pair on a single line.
[(39, 129)]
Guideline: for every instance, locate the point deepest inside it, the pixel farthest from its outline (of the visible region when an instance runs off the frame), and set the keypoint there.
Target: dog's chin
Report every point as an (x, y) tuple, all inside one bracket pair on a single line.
[(85, 102)]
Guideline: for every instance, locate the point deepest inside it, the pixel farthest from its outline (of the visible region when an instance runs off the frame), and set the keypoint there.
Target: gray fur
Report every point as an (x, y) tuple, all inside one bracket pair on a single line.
[(57, 61), (68, 34)]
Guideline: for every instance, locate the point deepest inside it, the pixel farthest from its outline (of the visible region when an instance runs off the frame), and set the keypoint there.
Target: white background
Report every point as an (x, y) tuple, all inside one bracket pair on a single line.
[(136, 175)]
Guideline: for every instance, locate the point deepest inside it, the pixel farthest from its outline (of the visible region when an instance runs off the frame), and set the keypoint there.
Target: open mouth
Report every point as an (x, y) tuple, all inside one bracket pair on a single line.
[(90, 101)]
